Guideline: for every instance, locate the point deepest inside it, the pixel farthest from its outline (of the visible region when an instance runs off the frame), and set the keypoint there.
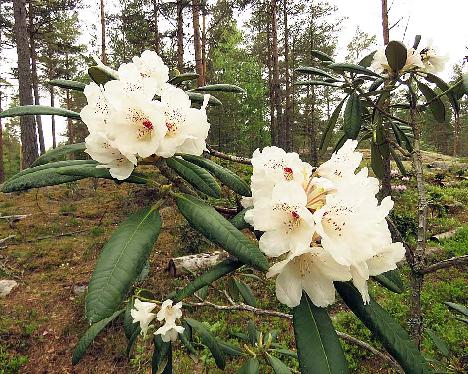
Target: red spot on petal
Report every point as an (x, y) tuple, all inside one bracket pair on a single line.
[(148, 124), (294, 214), (288, 170)]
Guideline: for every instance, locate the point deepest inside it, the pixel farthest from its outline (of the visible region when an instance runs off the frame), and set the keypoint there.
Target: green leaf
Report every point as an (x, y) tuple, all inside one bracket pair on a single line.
[(458, 307), (195, 175), (398, 161), (129, 326), (376, 84), (120, 262), (186, 342), (318, 347), (42, 176), (352, 68), (367, 60), (220, 88), (59, 152), (238, 220), (178, 79), (27, 110), (438, 342), (196, 97), (379, 151), (315, 71), (230, 349), (90, 335), (100, 75), (392, 336), (328, 133), (391, 280), (68, 84), (161, 363), (316, 82), (401, 136), (435, 103), (131, 342), (91, 171), (226, 176), (252, 332), (396, 55), (444, 87), (353, 116), (209, 341), (278, 366), (252, 366), (340, 142), (216, 228), (246, 293), (321, 56), (286, 352)]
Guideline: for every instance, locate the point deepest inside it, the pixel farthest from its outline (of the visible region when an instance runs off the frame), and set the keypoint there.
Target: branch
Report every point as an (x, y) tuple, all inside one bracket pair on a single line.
[(397, 234), (258, 311), (239, 160), (454, 261), (403, 151)]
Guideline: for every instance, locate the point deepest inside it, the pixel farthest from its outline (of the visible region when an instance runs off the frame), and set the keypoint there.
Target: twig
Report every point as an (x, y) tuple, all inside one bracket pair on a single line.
[(238, 159), (403, 151), (258, 311), (15, 218), (396, 234), (226, 210), (6, 239), (56, 235), (454, 261)]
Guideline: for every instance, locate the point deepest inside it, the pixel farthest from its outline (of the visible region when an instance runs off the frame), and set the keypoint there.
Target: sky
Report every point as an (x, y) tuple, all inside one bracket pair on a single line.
[(441, 22)]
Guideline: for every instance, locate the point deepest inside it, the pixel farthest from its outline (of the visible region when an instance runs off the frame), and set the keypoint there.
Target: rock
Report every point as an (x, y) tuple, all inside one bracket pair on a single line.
[(6, 286), (77, 290)]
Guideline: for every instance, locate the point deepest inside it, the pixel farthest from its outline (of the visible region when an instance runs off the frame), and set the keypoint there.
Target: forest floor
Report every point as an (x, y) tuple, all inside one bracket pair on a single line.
[(55, 247)]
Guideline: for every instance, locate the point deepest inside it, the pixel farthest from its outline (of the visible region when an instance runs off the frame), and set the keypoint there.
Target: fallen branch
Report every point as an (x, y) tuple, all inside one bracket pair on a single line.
[(444, 235), (15, 218), (6, 239), (193, 264), (258, 311), (226, 210), (238, 159), (56, 235), (454, 261)]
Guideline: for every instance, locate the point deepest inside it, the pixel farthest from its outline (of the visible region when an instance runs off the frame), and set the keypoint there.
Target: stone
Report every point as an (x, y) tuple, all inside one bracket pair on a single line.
[(77, 290), (6, 286)]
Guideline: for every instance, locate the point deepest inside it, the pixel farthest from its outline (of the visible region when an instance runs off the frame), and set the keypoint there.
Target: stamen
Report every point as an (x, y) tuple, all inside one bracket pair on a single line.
[(288, 173), (148, 124)]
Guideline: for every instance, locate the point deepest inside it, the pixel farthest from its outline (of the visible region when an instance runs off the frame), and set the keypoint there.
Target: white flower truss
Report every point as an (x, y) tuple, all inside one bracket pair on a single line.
[(139, 114), (141, 313), (324, 226)]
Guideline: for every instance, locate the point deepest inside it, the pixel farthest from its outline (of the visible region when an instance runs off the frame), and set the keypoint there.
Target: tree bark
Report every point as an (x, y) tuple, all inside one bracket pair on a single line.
[(203, 44), (287, 113), (52, 104), (273, 123), (276, 88), (71, 135), (197, 41), (2, 172), (180, 35), (156, 26), (103, 33), (385, 29), (27, 124), (456, 135)]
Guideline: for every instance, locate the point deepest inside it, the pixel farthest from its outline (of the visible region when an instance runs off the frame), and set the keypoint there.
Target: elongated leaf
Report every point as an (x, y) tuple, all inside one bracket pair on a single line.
[(252, 366), (131, 341), (441, 345), (444, 87), (398, 161), (315, 71), (186, 342), (100, 75), (316, 82), (376, 84), (352, 68), (226, 176), (91, 171), (209, 341), (318, 347), (197, 97), (216, 228), (379, 151), (120, 262), (161, 363), (68, 84), (396, 55), (285, 351), (27, 110), (278, 366), (196, 176), (353, 116), (220, 88), (328, 133), (391, 280), (129, 326), (246, 293), (435, 104), (59, 152), (321, 56), (458, 307), (367, 60), (230, 349), (340, 142), (90, 335), (238, 220), (401, 136), (252, 332), (178, 79), (223, 268), (393, 337)]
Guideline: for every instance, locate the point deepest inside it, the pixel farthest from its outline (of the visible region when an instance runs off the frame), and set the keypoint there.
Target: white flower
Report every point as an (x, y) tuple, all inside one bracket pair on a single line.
[(187, 128), (433, 63), (169, 331), (287, 222), (169, 312), (141, 313), (413, 60), (152, 69), (96, 112), (104, 151), (312, 270), (379, 62), (385, 260)]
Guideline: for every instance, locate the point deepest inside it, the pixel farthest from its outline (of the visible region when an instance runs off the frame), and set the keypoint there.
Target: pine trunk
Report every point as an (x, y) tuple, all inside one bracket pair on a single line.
[(2, 172), (197, 41), (273, 124), (203, 40), (103, 33), (156, 26), (180, 36), (385, 29), (287, 113), (52, 104), (27, 124), (276, 88)]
